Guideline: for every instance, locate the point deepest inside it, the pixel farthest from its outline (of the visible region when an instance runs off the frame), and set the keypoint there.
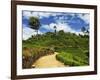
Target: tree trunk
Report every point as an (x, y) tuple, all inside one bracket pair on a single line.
[(37, 34)]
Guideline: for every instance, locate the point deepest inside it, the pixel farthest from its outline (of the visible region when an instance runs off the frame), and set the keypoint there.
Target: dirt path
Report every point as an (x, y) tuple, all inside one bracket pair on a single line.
[(48, 61)]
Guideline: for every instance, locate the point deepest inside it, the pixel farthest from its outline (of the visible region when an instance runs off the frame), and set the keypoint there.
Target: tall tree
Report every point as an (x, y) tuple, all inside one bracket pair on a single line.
[(83, 29), (55, 29), (34, 23)]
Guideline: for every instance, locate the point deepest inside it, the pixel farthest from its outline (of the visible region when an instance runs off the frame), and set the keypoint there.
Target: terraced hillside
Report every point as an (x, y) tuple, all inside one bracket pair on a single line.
[(73, 49)]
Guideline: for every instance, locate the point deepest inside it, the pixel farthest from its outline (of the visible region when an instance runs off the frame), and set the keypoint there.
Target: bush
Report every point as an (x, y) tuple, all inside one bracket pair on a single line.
[(71, 60), (87, 53)]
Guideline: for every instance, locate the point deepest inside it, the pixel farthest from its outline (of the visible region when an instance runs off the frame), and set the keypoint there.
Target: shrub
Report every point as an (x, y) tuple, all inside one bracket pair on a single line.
[(87, 53), (71, 60)]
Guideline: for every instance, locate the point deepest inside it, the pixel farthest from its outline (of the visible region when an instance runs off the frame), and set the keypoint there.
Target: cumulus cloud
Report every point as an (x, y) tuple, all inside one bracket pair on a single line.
[(28, 32), (61, 22), (61, 26), (28, 14), (85, 17)]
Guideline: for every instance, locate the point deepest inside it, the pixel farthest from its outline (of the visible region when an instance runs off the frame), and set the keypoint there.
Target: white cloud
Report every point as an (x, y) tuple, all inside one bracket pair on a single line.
[(47, 27), (28, 14), (40, 14), (43, 14), (61, 26), (28, 32), (85, 17)]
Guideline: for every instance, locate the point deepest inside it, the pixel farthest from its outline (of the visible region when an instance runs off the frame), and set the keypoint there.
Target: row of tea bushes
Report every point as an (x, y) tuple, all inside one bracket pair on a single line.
[(71, 60)]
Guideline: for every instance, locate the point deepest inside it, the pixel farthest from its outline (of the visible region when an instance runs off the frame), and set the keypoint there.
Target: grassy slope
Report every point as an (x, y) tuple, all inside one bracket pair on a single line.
[(71, 47)]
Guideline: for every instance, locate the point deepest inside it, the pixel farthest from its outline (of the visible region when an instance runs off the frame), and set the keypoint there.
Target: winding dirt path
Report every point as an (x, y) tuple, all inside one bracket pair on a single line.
[(48, 61)]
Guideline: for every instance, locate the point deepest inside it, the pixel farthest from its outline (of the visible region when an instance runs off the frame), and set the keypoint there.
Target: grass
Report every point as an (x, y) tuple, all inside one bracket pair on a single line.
[(73, 49)]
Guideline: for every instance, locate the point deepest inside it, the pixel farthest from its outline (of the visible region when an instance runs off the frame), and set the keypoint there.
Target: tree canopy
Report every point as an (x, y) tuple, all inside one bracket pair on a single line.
[(34, 23)]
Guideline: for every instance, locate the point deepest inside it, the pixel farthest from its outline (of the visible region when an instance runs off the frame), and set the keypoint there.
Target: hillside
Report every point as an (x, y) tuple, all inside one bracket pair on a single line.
[(73, 49)]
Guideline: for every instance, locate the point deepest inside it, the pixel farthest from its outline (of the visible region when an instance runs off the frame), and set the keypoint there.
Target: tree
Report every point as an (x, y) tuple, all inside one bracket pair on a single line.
[(83, 29), (34, 23), (87, 31), (55, 29), (61, 32)]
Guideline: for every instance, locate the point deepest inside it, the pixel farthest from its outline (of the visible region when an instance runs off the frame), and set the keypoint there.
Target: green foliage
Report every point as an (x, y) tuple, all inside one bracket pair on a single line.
[(83, 29), (73, 49), (71, 59), (34, 23)]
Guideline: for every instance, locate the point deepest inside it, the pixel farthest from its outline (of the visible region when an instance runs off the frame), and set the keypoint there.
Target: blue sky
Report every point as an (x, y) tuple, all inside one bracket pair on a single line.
[(69, 22)]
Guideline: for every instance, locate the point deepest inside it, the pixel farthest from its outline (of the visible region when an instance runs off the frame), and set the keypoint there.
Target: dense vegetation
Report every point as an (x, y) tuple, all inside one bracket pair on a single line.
[(73, 49)]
